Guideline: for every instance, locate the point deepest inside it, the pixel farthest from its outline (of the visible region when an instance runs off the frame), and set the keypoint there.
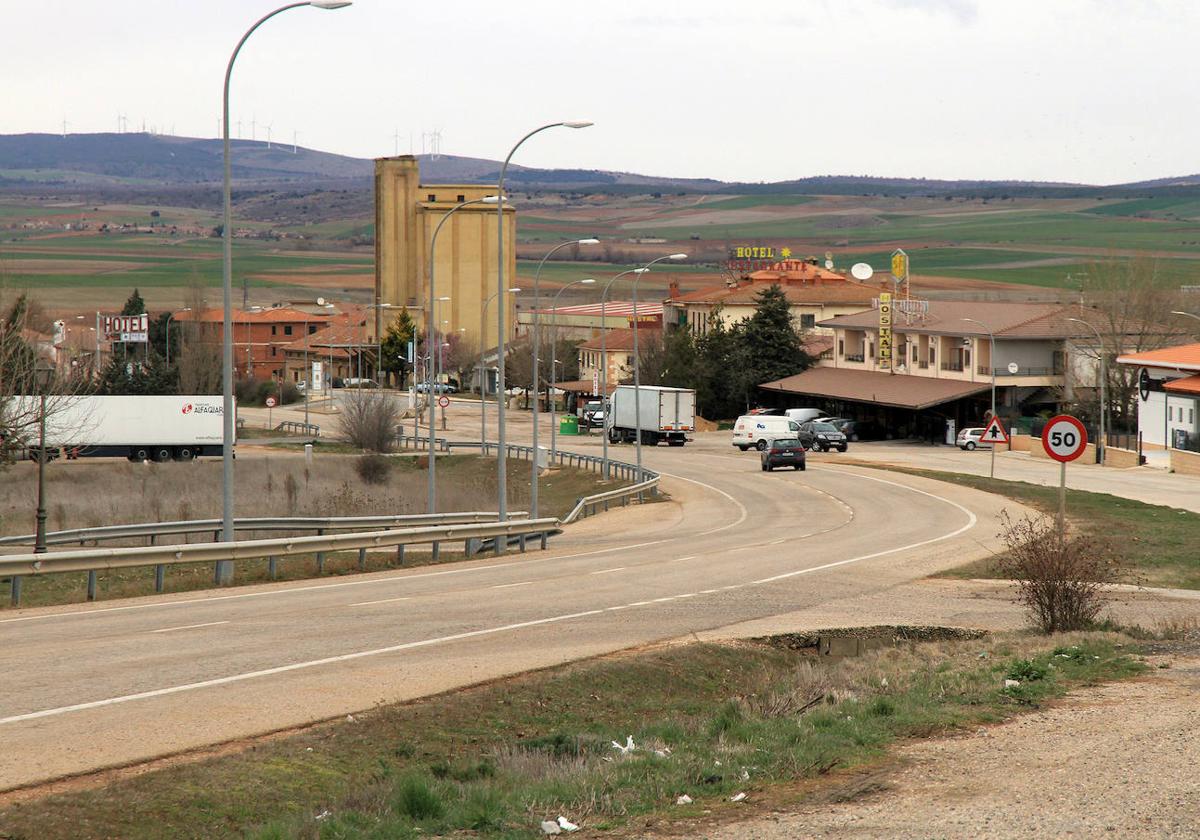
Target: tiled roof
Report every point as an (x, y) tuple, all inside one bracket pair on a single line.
[(1183, 357), (622, 340), (836, 289), (893, 389), (612, 309), (253, 316), (1005, 320), (340, 335), (1189, 385)]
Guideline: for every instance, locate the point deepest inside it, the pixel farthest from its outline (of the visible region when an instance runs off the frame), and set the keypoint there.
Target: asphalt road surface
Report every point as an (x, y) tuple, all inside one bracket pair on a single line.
[(115, 683)]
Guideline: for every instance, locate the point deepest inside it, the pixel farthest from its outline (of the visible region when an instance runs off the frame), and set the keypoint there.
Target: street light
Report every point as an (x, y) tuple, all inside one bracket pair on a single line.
[(637, 369), (171, 315), (587, 281), (431, 331), (224, 570), (1102, 445), (43, 377), (992, 365), (604, 470), (482, 370), (1185, 314), (501, 436), (533, 479)]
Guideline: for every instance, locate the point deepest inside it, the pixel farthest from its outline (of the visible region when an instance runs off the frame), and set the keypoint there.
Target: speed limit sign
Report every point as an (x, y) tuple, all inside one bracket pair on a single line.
[(270, 402), (443, 401), (1064, 438)]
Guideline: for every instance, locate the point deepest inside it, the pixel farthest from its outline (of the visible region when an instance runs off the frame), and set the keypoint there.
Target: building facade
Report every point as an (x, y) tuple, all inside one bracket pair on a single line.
[(1168, 396), (259, 335), (406, 214)]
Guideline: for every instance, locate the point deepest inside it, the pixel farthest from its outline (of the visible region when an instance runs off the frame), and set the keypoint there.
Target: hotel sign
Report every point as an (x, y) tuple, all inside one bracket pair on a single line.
[(128, 328), (885, 331), (755, 257)]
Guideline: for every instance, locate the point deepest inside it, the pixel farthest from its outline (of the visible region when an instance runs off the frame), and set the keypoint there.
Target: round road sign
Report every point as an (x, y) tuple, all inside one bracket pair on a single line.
[(1064, 438), (270, 402), (443, 401)]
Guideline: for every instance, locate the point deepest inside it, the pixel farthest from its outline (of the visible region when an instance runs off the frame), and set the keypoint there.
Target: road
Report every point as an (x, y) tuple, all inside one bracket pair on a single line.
[(109, 684)]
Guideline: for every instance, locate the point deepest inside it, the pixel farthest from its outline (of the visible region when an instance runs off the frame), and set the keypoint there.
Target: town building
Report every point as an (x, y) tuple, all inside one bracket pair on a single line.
[(941, 368), (615, 352), (407, 213), (814, 294), (586, 320), (260, 335), (1168, 396)]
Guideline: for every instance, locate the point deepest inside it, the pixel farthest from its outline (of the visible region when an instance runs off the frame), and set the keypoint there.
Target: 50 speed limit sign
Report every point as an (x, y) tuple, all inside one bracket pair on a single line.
[(1064, 438)]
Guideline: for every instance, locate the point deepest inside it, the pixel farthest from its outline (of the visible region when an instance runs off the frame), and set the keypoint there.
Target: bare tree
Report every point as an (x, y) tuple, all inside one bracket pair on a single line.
[(1130, 301), (199, 347), (461, 357), (370, 419)]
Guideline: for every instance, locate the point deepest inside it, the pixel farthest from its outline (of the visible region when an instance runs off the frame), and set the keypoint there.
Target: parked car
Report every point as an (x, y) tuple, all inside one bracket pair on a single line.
[(593, 414), (760, 429), (822, 436), (783, 452), (356, 382), (859, 429), (972, 438), (438, 388), (803, 415)]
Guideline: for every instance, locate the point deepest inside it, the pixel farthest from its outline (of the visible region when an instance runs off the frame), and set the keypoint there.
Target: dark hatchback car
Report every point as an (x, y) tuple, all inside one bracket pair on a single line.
[(783, 452)]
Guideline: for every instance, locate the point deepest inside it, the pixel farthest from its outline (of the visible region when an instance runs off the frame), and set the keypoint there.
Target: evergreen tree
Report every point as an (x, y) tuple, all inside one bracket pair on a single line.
[(394, 346), (135, 305), (149, 376), (774, 347)]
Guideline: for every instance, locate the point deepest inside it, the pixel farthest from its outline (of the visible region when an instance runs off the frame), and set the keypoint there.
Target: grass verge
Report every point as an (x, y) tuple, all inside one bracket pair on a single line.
[(707, 720), (1158, 543)]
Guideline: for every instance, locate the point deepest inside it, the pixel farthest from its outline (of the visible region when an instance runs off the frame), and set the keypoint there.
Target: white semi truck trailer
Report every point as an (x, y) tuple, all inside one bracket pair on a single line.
[(140, 428), (667, 414)]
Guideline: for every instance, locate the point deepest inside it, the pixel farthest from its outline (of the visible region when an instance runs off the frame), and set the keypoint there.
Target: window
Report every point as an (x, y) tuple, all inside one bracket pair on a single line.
[(432, 197), (273, 353), (841, 347), (312, 328), (287, 330), (461, 199), (807, 322), (273, 329), (915, 352)]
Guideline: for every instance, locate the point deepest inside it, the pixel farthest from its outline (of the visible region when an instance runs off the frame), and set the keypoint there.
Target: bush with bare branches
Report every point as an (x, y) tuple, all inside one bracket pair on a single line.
[(1060, 581), (369, 419)]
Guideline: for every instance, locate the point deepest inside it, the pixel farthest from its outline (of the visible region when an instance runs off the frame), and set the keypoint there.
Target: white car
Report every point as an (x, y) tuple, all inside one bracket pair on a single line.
[(760, 430), (969, 439)]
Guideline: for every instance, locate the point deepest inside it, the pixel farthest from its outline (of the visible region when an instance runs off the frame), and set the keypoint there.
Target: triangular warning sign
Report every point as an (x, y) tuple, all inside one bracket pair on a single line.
[(995, 432)]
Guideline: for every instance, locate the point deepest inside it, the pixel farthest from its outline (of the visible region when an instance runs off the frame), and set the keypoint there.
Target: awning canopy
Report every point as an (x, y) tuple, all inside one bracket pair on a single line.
[(867, 386)]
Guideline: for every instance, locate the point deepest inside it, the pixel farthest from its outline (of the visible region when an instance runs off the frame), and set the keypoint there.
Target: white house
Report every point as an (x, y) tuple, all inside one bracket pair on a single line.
[(1169, 396)]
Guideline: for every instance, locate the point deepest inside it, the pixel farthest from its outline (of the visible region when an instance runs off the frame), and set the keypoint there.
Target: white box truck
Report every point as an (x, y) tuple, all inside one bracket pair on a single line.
[(666, 414), (140, 428)]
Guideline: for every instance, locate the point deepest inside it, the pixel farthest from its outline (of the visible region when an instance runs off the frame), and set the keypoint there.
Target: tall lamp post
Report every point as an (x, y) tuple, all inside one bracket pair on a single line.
[(431, 333), (1185, 314), (637, 369), (992, 365), (604, 469), (224, 569), (482, 369), (44, 376), (587, 281), (1102, 444), (501, 435), (537, 346)]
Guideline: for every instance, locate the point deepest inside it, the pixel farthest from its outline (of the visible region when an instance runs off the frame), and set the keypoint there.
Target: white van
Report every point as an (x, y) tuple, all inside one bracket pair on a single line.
[(759, 430), (803, 415)]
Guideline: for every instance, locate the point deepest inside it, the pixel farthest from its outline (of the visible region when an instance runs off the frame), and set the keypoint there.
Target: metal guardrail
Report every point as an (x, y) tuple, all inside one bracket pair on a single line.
[(299, 427), (92, 560), (646, 482), (153, 530)]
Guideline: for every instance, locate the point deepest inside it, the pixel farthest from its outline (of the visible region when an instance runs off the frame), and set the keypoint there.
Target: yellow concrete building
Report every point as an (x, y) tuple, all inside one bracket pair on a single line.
[(406, 214)]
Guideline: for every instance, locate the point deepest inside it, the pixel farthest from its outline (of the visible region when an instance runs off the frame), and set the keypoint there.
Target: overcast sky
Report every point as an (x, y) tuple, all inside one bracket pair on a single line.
[(1097, 91)]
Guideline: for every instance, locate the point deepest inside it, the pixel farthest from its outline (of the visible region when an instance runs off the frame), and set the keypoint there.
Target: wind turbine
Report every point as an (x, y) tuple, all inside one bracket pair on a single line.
[(269, 134), (294, 133)]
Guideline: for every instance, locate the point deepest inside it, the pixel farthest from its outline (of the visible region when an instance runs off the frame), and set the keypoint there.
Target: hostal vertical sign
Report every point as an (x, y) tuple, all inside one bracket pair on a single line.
[(885, 331)]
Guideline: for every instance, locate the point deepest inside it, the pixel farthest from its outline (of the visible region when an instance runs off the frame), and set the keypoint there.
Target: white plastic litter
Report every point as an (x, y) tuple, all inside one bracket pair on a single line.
[(628, 748), (684, 800), (738, 797), (566, 825), (745, 775), (550, 827), (1012, 683)]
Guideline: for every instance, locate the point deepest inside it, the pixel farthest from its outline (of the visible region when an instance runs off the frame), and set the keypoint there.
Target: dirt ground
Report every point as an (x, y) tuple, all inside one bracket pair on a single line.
[(1118, 760)]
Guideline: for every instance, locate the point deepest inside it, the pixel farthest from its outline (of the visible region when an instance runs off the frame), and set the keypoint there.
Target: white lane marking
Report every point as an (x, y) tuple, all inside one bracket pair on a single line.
[(708, 591), (316, 587), (777, 542), (607, 571), (744, 513), (681, 559), (510, 585), (347, 657), (661, 600), (189, 627), (380, 601)]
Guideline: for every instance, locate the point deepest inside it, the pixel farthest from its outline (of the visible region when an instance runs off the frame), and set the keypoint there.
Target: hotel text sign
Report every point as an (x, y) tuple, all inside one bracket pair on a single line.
[(748, 258), (885, 331)]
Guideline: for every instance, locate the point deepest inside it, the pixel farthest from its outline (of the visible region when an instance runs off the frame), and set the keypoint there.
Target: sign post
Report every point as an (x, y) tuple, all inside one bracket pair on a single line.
[(995, 434), (443, 401), (1064, 438), (885, 331)]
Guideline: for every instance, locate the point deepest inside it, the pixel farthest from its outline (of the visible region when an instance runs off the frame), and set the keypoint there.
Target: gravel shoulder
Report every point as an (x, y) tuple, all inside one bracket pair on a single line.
[(1117, 760)]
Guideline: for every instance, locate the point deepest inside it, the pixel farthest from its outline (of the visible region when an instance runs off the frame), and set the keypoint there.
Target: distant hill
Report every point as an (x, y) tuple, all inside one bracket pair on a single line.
[(153, 162)]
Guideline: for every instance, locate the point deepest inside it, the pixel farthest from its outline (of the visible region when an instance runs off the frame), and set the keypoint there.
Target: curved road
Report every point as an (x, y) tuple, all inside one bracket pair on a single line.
[(102, 685)]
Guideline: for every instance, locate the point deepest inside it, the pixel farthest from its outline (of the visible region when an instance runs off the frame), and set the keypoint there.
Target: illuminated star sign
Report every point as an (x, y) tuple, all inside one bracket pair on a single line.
[(786, 253)]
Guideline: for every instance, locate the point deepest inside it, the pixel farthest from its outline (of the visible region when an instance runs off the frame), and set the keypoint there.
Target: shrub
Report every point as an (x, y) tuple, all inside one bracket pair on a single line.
[(1026, 670), (417, 799), (1059, 581), (369, 419), (373, 469)]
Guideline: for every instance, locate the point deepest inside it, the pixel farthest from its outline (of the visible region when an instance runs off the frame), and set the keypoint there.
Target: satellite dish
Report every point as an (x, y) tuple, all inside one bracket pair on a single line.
[(861, 271), (320, 301), (829, 264), (1013, 367)]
